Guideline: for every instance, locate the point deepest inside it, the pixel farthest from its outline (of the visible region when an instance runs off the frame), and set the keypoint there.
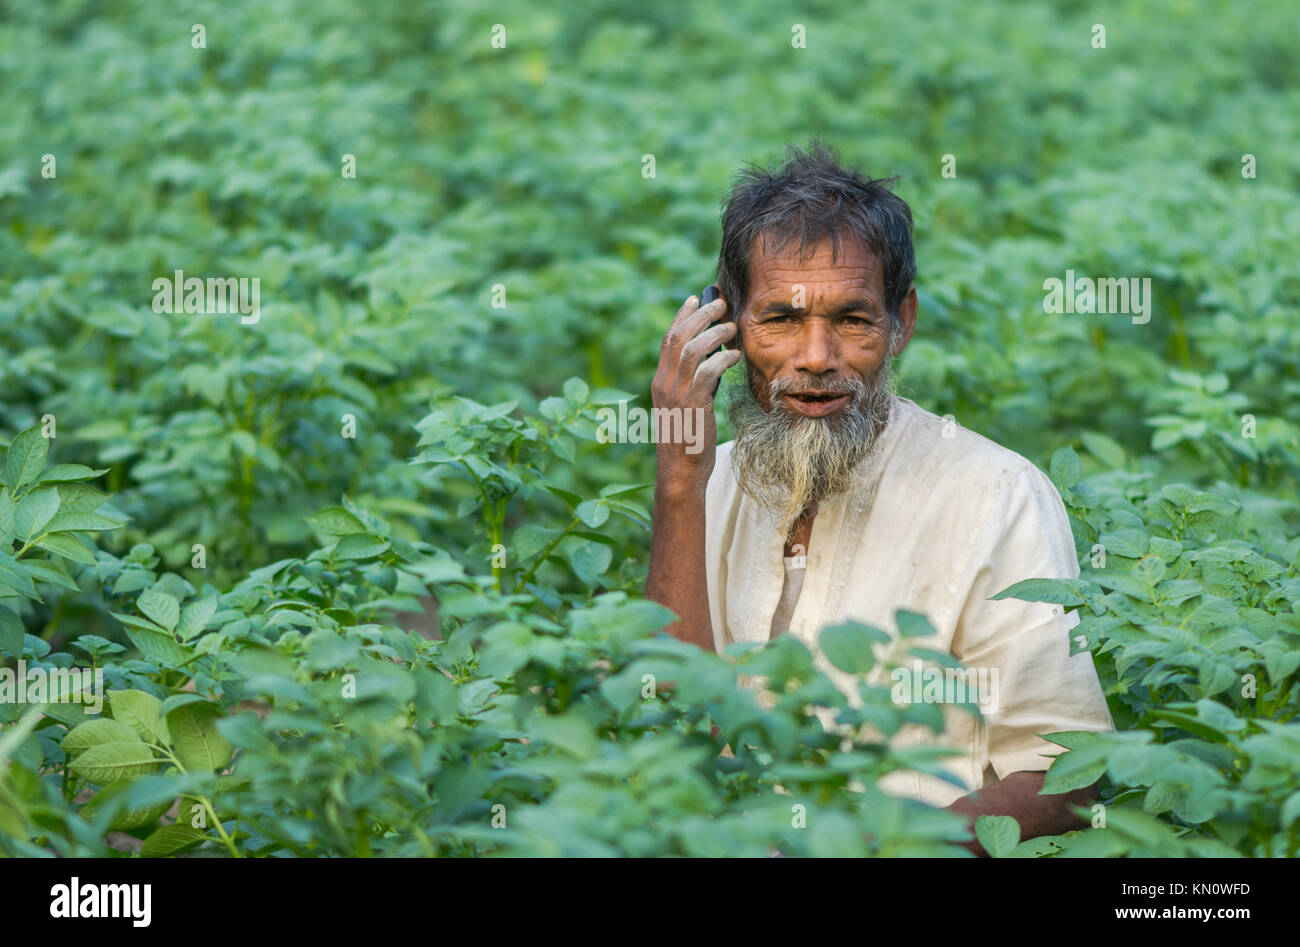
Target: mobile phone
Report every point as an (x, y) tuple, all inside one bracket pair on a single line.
[(709, 294)]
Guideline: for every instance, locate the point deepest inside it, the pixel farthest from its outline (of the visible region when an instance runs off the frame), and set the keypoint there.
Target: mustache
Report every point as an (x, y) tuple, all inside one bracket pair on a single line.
[(806, 381)]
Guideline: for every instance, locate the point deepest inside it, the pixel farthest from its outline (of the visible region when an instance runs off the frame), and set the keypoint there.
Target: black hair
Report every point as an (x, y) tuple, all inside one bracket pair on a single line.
[(811, 198)]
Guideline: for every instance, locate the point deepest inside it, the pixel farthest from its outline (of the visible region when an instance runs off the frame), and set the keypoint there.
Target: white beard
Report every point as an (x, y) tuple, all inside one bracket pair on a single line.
[(786, 461)]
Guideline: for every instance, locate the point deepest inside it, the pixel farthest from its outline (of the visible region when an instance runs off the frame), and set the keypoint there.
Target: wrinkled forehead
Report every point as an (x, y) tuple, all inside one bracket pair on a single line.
[(834, 263)]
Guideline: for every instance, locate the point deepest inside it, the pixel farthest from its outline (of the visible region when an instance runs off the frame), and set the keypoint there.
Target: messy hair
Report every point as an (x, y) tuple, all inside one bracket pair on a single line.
[(812, 198)]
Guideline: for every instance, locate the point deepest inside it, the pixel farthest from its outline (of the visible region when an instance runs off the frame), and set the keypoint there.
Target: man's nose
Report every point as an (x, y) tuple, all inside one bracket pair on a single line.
[(818, 352)]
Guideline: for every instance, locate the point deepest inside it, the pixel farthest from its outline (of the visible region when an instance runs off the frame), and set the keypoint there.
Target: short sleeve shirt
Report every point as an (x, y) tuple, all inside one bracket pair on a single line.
[(940, 519)]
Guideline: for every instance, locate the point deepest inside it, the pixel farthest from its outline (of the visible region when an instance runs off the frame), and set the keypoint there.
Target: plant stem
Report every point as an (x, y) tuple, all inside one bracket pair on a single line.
[(207, 804), (544, 553)]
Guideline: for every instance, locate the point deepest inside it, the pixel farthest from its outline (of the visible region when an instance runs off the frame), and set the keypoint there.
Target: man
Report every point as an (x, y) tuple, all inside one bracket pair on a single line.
[(839, 500)]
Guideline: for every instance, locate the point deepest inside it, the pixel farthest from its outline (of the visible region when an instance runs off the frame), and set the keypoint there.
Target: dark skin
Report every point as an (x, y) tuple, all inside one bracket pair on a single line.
[(816, 317)]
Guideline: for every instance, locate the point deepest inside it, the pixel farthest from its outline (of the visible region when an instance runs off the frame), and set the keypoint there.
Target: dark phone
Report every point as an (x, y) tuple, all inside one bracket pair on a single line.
[(711, 293)]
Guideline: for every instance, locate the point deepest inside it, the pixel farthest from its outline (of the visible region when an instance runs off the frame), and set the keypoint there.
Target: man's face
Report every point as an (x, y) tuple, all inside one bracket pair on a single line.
[(817, 341), (818, 323)]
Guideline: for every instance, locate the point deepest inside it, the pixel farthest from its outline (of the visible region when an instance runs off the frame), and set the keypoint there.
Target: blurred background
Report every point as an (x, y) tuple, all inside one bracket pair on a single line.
[(525, 166)]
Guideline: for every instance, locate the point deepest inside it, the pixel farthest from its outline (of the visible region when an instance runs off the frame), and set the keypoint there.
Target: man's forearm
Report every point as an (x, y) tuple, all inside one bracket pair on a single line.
[(690, 366), (677, 575), (1018, 796)]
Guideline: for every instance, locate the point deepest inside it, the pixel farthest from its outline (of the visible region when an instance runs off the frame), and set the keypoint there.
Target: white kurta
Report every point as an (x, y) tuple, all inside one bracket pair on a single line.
[(940, 520)]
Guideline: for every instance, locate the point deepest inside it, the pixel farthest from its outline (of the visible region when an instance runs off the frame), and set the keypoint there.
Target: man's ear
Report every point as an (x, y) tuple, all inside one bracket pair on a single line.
[(907, 319)]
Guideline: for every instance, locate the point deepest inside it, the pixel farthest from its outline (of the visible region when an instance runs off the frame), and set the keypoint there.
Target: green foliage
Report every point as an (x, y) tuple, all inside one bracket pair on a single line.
[(290, 715), (244, 576), (1189, 602)]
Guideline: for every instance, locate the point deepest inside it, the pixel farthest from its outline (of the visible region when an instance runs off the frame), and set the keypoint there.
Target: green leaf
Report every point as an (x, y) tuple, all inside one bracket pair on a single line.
[(80, 498), (638, 514), (1216, 676), (142, 712), (195, 739), (532, 538), (1190, 724), (1290, 810), (60, 473), (105, 763), (50, 571), (590, 560), (1080, 766), (848, 648), (592, 512), (505, 649), (1161, 797), (180, 700), (999, 834), (26, 457), (156, 645), (1166, 437), (1040, 847), (34, 511), (1055, 591), (575, 389), (132, 580), (171, 840), (6, 520), (359, 546), (12, 633), (94, 732), (1124, 583), (373, 523), (1149, 569), (13, 736), (620, 489), (1178, 493), (195, 617), (571, 499), (335, 521), (1130, 543), (552, 408), (68, 547), (1066, 468), (15, 576), (126, 818), (1213, 503), (1105, 449), (913, 625), (570, 733), (160, 608), (68, 521)]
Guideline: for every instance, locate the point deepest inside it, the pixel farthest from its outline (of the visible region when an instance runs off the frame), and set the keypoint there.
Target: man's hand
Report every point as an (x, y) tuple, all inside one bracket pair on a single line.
[(1017, 795), (686, 380)]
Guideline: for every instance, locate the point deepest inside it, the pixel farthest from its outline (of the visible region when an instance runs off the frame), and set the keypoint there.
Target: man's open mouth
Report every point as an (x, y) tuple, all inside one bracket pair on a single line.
[(816, 404), (816, 397)]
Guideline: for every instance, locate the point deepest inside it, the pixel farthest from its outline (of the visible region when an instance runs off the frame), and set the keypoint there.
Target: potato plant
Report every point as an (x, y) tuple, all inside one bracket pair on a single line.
[(360, 578), (292, 715)]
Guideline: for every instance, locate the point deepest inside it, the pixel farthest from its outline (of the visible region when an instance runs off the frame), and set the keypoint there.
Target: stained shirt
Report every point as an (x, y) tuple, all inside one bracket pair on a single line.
[(939, 520)]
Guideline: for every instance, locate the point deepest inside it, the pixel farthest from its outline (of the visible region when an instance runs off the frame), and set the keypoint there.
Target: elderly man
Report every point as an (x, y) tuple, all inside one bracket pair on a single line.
[(839, 500)]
